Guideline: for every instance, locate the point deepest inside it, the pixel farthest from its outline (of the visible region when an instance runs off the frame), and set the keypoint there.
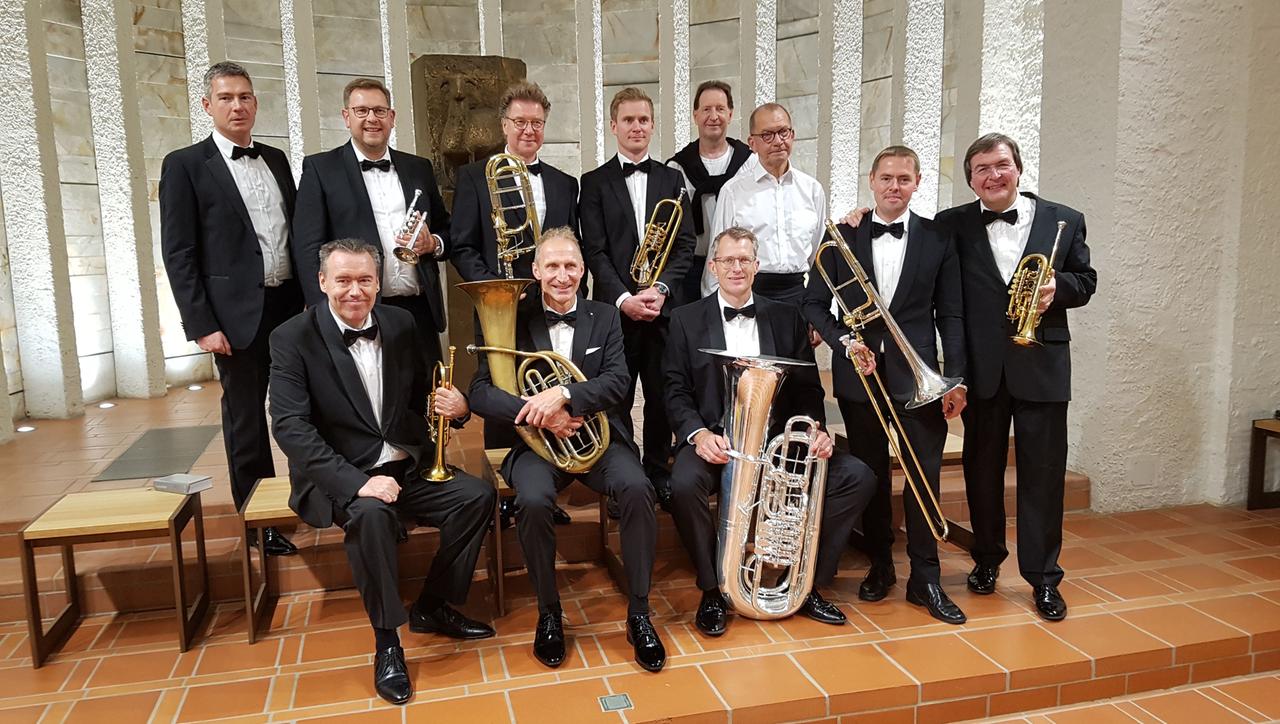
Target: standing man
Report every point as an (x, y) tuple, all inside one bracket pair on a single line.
[(707, 164), (617, 201), (912, 263), (362, 190), (348, 400), (225, 205), (1030, 385), (784, 207), (587, 333)]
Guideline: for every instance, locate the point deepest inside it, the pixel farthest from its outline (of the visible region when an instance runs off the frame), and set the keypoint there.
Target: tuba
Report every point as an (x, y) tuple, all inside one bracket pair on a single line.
[(929, 385), (414, 220), (495, 302), (438, 425), (659, 238), (511, 239), (1033, 272), (771, 495)]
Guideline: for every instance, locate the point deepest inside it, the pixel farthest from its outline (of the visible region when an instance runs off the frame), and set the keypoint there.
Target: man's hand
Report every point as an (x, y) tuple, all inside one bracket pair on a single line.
[(382, 487), (425, 243), (1046, 293), (823, 445), (537, 408), (216, 343), (711, 447), (653, 299), (450, 403), (563, 425), (864, 360), (815, 339), (636, 309), (853, 218), (953, 402)]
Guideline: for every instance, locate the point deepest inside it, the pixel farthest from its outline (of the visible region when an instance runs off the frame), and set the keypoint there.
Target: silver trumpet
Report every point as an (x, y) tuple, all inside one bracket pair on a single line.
[(414, 220)]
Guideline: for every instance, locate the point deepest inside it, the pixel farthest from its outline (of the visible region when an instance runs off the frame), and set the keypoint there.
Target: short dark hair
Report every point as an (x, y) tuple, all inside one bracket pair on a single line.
[(737, 233), (223, 70), (630, 93), (364, 84), (523, 91), (351, 246), (751, 122), (896, 152), (990, 142), (710, 85)]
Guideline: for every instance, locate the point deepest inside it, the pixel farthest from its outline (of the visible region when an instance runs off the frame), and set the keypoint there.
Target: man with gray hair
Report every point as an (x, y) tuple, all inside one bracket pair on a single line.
[(225, 205)]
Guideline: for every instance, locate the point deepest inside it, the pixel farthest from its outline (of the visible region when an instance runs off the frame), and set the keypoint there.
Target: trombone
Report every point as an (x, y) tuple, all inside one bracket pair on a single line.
[(1024, 292), (929, 385), (510, 239), (438, 425), (659, 238)]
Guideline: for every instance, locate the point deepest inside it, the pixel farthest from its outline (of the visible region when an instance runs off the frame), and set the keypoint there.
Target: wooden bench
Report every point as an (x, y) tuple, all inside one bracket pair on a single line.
[(1259, 497), (108, 515)]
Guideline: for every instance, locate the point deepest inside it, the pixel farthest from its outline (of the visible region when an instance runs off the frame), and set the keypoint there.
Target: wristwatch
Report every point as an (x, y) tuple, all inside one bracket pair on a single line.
[(666, 291), (564, 392)]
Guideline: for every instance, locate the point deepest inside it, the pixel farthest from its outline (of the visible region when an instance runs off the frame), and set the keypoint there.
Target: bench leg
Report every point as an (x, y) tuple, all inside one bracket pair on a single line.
[(188, 624), (497, 578), (259, 603), (43, 643)]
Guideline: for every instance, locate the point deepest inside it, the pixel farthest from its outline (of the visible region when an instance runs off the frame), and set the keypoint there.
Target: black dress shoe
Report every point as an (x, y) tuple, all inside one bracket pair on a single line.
[(448, 621), (391, 676), (932, 597), (548, 640), (821, 610), (507, 512), (273, 542), (560, 517), (641, 634), (877, 583), (711, 613), (612, 509), (982, 579), (1049, 603)]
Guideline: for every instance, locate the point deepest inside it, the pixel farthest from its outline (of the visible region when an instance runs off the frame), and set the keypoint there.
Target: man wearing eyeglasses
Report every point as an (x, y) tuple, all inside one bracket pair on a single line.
[(362, 190), (784, 207)]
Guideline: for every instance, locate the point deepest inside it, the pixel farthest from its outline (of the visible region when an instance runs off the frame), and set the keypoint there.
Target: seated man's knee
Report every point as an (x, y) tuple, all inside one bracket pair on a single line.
[(366, 514), (634, 488), (535, 501)]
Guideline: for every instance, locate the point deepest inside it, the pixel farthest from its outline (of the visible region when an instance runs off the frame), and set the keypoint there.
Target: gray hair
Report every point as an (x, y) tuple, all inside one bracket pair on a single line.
[(559, 232), (222, 70), (736, 233), (351, 246)]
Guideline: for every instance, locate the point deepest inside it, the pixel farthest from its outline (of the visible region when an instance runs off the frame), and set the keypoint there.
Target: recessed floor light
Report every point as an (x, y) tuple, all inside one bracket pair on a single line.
[(106, 405), (195, 388), (26, 428)]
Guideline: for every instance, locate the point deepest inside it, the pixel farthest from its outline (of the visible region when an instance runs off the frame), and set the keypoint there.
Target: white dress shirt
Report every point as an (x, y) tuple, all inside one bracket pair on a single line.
[(638, 190), (788, 215), (386, 198), (265, 203), (367, 354), (715, 167), (742, 335), (535, 185), (1009, 241), (561, 334), (887, 254)]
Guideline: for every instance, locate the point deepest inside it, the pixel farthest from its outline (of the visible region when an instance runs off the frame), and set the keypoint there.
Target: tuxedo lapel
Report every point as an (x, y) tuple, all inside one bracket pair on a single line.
[(862, 252), (284, 179), (345, 365), (713, 317), (556, 196), (582, 334), (217, 167), (1043, 229), (766, 329), (653, 189), (910, 261), (538, 332), (359, 194), (624, 207), (974, 233)]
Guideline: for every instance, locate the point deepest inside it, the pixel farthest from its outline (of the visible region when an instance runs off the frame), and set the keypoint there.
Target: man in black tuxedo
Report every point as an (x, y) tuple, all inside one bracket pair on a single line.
[(735, 320), (912, 263), (588, 334), (348, 397), (617, 200), (362, 190), (1031, 385), (225, 204)]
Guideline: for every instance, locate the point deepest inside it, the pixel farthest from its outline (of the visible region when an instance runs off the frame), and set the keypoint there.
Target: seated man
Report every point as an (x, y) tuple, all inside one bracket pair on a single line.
[(734, 320), (348, 396), (590, 334)]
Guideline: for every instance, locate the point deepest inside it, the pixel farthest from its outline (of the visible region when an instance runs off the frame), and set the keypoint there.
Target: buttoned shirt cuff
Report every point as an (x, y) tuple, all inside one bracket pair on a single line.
[(694, 434), (622, 298)]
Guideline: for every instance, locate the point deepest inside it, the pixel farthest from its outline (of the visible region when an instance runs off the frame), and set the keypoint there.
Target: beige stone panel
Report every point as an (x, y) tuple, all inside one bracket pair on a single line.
[(365, 9), (273, 117), (560, 83), (264, 52), (330, 101), (93, 319), (714, 44), (804, 118), (81, 215), (877, 42), (710, 11), (261, 14), (629, 31), (337, 49), (98, 376), (442, 27), (798, 66), (157, 29), (565, 156), (65, 41), (638, 73), (540, 40), (877, 103)]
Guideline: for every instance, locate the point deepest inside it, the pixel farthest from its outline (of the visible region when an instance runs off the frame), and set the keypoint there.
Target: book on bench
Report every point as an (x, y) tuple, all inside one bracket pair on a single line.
[(182, 483)]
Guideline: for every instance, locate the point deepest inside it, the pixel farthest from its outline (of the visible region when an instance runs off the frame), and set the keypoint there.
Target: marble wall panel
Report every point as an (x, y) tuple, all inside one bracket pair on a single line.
[(443, 26), (543, 35), (713, 54), (877, 40), (92, 321), (157, 28), (709, 11), (333, 132), (348, 38), (98, 373)]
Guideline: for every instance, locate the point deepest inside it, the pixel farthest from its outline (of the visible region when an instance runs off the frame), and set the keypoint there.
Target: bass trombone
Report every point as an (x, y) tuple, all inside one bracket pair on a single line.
[(1034, 271), (659, 238), (438, 425), (511, 239), (929, 385)]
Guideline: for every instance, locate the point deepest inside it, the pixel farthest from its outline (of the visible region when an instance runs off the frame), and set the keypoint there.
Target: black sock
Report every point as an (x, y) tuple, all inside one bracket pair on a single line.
[(428, 603), (385, 638)]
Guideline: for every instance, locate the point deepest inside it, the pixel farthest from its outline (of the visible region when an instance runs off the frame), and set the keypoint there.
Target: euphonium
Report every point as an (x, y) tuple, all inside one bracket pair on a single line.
[(495, 301), (1033, 272), (659, 238), (503, 166), (929, 385), (438, 425), (414, 220), (771, 496)]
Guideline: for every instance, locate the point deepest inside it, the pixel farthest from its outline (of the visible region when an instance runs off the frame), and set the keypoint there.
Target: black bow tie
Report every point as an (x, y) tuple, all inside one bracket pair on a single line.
[(251, 151), (535, 168), (1010, 217), (383, 165), (351, 335), (554, 317), (748, 311), (895, 229), (629, 168)]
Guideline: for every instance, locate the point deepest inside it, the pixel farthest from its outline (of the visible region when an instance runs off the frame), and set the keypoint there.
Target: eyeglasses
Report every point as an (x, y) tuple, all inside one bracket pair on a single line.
[(525, 123), (1003, 167), (362, 112), (734, 262), (782, 134)]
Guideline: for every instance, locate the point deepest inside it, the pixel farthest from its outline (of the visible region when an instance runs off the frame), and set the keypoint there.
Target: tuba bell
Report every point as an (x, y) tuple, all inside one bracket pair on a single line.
[(659, 238), (513, 241), (1034, 271)]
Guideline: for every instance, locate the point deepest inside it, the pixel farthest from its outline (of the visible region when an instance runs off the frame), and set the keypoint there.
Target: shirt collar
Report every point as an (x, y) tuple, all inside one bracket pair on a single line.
[(343, 326), (906, 215), (574, 308), (763, 173), (624, 160), (386, 153), (725, 302), (1020, 203), (225, 145), (536, 159)]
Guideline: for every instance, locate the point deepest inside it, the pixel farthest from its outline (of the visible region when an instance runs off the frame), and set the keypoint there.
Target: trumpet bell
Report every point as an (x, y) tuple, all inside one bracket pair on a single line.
[(405, 254)]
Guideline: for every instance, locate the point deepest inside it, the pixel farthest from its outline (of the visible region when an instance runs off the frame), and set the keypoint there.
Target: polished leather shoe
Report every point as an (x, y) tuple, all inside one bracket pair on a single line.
[(273, 542), (560, 517), (711, 613), (1049, 603), (876, 585), (391, 676), (821, 610), (447, 621), (507, 512), (940, 606), (643, 637), (982, 579), (548, 640)]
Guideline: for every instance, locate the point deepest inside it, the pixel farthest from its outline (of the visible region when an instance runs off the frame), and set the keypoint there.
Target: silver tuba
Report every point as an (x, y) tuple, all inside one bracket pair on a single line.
[(771, 495)]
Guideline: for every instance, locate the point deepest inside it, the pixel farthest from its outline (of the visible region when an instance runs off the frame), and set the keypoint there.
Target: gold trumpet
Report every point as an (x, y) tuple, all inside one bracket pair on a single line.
[(659, 238), (502, 166), (1034, 271), (415, 220), (438, 425), (495, 302), (929, 386)]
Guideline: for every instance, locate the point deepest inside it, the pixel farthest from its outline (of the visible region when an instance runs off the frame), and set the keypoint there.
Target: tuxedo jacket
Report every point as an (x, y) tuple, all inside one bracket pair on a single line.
[(597, 351), (1038, 374), (695, 393), (927, 298), (475, 244), (609, 236), (211, 251), (321, 415), (333, 203)]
